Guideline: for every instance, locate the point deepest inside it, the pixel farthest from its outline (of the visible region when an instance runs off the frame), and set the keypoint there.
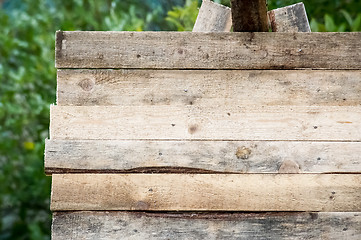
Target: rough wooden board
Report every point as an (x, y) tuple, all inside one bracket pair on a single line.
[(213, 17), (226, 156), (142, 225), (196, 50), (207, 192), (217, 122), (292, 18), (200, 87)]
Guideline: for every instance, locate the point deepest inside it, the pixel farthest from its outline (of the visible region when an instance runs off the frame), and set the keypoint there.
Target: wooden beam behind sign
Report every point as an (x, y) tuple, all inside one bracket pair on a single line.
[(69, 156), (217, 122), (134, 87), (196, 50), (195, 225), (214, 17), (292, 18), (207, 192)]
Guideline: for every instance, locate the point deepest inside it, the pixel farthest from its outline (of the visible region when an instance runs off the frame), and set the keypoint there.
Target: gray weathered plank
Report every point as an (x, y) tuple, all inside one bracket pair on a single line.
[(214, 87), (195, 225), (215, 122), (197, 50), (292, 18), (213, 17), (225, 156), (207, 192)]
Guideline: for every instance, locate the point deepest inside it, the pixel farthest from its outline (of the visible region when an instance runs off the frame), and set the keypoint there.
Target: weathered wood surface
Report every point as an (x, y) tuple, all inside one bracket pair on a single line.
[(227, 156), (213, 87), (207, 192), (196, 50), (145, 225), (292, 18), (249, 15), (213, 17), (217, 122)]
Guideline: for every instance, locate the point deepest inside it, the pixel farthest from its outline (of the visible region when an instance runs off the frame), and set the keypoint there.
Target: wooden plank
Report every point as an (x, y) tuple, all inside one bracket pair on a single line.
[(196, 50), (292, 18), (214, 87), (213, 17), (249, 15), (206, 123), (195, 225), (207, 192), (222, 156)]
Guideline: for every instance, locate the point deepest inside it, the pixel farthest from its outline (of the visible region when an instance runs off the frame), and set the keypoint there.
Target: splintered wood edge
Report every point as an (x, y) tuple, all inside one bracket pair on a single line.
[(121, 156), (195, 225), (197, 50), (207, 192)]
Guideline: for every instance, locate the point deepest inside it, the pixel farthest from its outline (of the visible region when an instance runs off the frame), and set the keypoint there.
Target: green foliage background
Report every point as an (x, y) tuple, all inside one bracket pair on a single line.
[(28, 82)]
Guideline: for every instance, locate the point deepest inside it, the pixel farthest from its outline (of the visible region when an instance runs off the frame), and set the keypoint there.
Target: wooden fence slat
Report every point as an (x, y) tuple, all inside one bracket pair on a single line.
[(132, 87), (213, 17), (232, 122), (292, 18), (196, 50), (207, 192), (222, 156), (185, 226)]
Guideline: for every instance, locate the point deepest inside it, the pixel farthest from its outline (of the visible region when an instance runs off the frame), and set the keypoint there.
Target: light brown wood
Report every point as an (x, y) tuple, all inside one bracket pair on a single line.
[(131, 225), (213, 17), (215, 122), (192, 50), (132, 87), (227, 156), (292, 18), (207, 192)]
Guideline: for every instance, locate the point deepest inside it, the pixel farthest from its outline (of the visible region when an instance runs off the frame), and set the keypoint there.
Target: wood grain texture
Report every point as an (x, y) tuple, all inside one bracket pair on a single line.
[(222, 156), (292, 18), (145, 225), (196, 50), (213, 17), (207, 192), (249, 15), (132, 87), (215, 122)]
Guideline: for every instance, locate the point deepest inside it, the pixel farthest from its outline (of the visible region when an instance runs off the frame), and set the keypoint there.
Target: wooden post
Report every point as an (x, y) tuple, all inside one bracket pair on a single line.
[(214, 17), (249, 15)]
